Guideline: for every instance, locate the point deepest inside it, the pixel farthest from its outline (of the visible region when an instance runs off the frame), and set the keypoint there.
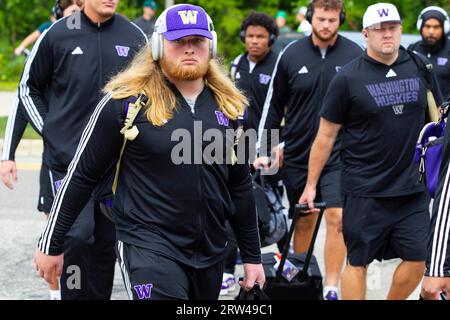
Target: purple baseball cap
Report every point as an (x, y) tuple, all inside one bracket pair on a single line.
[(184, 20)]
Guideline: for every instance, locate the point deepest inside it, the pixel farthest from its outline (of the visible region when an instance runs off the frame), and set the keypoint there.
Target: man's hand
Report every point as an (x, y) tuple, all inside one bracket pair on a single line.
[(8, 172), (277, 161), (308, 196), (48, 266), (253, 273), (279, 157), (18, 51), (261, 162), (433, 286)]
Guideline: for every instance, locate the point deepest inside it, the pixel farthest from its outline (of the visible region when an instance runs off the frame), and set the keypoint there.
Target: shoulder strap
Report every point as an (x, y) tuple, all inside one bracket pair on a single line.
[(235, 66), (237, 138), (426, 68), (424, 65), (129, 130)]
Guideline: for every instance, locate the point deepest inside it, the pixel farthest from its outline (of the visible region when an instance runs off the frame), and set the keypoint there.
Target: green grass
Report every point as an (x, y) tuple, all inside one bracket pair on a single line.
[(28, 134), (8, 86)]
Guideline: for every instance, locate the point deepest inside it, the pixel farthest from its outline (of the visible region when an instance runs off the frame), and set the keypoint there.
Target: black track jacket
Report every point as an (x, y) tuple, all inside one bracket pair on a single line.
[(174, 208)]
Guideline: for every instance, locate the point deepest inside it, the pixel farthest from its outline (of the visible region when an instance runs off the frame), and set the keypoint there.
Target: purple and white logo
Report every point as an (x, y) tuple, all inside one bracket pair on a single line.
[(338, 68), (442, 61), (58, 184), (383, 12), (122, 51), (397, 93), (144, 291), (222, 119), (188, 16), (264, 78)]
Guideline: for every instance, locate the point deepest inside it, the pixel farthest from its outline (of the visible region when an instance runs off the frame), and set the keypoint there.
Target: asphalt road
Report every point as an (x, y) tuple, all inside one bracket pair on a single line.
[(21, 224)]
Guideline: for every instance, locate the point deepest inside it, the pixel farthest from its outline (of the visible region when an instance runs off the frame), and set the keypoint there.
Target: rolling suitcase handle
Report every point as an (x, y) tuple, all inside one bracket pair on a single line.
[(304, 273)]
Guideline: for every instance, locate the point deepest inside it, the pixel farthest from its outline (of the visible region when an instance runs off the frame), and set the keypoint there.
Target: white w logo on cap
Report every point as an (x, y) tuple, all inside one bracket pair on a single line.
[(189, 16)]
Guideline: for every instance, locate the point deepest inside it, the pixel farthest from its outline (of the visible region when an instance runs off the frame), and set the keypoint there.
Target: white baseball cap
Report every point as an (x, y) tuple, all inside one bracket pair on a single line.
[(380, 12)]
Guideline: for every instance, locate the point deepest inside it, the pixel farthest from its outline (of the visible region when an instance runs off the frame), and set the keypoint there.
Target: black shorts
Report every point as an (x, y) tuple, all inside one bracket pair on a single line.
[(151, 276), (386, 228), (46, 189), (328, 188)]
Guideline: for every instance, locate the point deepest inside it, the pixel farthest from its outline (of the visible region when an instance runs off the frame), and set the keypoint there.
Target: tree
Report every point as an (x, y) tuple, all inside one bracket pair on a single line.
[(19, 17)]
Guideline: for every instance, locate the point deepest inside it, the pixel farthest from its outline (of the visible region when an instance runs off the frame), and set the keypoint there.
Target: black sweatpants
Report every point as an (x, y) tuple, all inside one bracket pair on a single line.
[(151, 276), (89, 258)]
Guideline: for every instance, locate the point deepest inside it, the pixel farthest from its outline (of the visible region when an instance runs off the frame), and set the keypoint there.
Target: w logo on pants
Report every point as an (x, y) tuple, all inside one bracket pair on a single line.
[(144, 291), (122, 51)]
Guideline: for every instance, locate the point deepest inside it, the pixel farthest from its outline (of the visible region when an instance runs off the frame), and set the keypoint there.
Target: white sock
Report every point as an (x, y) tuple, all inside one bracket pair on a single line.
[(55, 295), (329, 288)]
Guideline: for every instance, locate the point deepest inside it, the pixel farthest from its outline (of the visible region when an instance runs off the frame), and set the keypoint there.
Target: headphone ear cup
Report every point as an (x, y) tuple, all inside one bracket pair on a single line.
[(309, 13), (213, 45), (446, 26), (419, 23), (242, 36), (342, 16), (157, 46), (272, 39)]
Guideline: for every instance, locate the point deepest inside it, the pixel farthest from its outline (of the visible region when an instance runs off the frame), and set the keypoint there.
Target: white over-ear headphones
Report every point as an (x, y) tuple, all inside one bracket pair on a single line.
[(157, 41), (434, 8)]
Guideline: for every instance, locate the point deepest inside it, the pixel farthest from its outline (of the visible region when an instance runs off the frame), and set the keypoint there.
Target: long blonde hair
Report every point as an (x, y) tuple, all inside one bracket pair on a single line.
[(145, 74)]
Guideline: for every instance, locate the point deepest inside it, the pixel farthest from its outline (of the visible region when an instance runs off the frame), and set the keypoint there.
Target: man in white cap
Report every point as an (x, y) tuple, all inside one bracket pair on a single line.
[(379, 101)]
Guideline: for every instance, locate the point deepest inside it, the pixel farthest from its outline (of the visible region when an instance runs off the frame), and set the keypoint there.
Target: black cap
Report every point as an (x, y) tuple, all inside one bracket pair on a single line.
[(433, 14)]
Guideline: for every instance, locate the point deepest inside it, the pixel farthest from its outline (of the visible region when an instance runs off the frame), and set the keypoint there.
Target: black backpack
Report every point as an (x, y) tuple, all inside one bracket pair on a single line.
[(272, 215)]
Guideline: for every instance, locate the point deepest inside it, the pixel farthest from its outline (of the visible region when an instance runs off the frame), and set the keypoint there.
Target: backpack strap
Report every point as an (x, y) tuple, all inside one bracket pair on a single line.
[(234, 66), (426, 68), (129, 130), (237, 138)]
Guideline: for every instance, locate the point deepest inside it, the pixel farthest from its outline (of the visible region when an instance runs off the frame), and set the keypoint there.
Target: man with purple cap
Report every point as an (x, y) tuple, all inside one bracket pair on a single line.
[(379, 100), (175, 189)]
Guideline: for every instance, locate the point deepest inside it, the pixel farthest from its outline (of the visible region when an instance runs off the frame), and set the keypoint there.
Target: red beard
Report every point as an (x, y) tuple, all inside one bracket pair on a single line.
[(178, 72)]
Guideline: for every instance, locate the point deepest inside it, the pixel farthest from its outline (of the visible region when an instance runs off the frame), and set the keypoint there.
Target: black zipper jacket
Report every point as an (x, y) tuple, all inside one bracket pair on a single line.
[(440, 58), (64, 75), (301, 78), (438, 260), (176, 209), (255, 85)]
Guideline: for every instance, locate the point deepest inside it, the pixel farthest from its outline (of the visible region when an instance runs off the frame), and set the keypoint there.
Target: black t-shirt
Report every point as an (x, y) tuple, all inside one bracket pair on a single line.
[(382, 109)]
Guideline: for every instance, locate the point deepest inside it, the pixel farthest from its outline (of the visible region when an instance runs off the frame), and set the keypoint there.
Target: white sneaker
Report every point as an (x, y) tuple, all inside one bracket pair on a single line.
[(228, 283)]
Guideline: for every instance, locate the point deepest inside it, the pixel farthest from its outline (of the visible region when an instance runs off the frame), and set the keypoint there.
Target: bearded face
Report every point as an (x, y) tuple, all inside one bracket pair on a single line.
[(179, 70), (186, 58)]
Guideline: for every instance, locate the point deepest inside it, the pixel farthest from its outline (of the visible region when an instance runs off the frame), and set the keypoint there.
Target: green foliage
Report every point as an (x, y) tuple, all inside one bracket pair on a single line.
[(18, 18), (10, 67), (8, 85), (28, 134)]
